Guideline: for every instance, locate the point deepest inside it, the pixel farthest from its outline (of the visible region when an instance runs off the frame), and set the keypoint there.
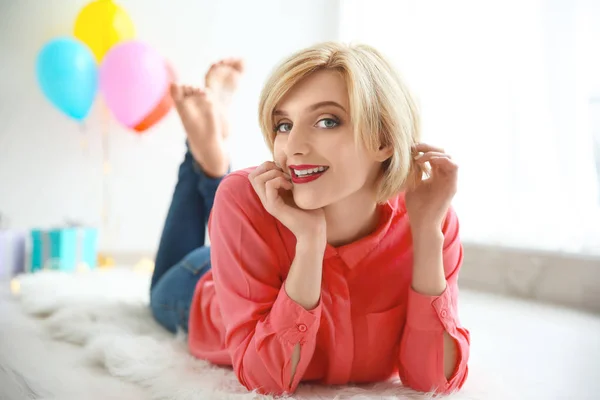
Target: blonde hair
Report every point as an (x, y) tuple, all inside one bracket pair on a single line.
[(382, 109)]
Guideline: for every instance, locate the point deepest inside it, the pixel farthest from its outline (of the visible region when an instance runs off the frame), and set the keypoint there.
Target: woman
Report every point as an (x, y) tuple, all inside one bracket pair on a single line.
[(334, 263)]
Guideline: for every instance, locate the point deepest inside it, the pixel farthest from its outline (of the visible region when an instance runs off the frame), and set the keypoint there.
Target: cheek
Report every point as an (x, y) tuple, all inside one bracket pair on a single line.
[(355, 164)]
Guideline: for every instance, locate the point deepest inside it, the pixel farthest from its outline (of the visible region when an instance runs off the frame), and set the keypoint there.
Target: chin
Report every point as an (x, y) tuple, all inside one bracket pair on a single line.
[(309, 201)]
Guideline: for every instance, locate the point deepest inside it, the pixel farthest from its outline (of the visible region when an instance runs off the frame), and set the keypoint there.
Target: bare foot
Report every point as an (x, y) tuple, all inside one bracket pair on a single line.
[(201, 118), (222, 80)]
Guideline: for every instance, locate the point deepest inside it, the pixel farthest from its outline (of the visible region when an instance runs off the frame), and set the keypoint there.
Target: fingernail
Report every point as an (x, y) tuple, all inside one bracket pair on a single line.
[(287, 176), (418, 156)]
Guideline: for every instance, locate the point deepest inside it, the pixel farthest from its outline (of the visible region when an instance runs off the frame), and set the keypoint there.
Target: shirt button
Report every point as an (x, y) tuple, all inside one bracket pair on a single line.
[(444, 314), (302, 328)]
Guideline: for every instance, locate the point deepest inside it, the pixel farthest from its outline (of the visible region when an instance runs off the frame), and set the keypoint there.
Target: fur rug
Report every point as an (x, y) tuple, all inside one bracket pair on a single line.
[(104, 313)]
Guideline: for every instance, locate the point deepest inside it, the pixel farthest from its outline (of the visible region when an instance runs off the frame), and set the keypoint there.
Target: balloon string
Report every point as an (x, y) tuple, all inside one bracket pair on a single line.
[(104, 259), (83, 130), (106, 169)]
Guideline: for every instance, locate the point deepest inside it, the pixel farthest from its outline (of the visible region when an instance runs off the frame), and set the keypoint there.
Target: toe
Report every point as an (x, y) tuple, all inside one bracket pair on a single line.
[(187, 90), (235, 63), (209, 73), (176, 92), (238, 64)]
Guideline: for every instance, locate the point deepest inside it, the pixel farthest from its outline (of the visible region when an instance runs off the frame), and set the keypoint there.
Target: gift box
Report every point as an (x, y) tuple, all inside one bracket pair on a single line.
[(63, 249), (12, 253)]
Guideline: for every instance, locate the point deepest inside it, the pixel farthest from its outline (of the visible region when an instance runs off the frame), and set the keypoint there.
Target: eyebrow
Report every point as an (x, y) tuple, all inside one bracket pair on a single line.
[(314, 107)]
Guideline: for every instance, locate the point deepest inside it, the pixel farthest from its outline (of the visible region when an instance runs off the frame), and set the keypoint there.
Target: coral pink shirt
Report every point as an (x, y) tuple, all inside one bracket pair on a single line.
[(369, 323)]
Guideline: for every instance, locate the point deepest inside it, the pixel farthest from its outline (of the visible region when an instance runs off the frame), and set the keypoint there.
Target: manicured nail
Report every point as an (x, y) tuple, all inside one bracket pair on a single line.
[(287, 176), (418, 156)]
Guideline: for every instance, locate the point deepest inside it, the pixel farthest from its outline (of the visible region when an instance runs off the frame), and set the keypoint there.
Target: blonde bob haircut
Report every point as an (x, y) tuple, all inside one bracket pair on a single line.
[(382, 109)]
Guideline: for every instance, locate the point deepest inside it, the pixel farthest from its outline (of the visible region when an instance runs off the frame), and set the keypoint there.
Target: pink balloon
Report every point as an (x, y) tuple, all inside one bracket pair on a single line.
[(133, 80)]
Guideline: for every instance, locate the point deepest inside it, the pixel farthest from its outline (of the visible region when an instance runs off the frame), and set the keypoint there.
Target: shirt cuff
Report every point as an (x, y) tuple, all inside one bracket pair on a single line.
[(431, 313), (291, 322)]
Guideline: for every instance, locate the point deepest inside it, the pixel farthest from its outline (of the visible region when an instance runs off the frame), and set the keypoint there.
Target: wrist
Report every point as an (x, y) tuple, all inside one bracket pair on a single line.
[(429, 233), (311, 244), (428, 265)]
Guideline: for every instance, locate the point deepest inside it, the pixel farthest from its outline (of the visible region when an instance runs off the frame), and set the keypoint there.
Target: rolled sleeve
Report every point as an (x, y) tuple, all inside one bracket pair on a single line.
[(431, 313)]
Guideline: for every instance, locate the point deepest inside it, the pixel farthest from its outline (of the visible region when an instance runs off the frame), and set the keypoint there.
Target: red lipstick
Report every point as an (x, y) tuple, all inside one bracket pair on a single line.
[(305, 178)]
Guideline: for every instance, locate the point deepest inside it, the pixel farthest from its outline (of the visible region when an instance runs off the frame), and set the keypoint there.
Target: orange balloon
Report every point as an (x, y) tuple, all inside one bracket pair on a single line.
[(162, 108)]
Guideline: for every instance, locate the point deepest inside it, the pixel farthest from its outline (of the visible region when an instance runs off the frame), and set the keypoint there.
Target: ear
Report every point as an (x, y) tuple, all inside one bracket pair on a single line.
[(383, 153)]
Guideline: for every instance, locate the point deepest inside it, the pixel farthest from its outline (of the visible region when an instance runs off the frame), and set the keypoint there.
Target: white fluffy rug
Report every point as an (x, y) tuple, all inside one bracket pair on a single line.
[(104, 316)]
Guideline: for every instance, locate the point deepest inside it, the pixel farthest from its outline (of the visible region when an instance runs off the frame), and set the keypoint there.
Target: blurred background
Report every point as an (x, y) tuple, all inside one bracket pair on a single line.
[(511, 89), (52, 167)]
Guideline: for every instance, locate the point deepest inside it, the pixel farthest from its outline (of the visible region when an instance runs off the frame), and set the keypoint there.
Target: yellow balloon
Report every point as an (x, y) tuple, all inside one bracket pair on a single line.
[(102, 24)]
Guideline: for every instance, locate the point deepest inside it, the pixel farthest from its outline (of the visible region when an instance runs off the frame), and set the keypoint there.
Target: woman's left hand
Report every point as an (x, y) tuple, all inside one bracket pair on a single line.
[(427, 204)]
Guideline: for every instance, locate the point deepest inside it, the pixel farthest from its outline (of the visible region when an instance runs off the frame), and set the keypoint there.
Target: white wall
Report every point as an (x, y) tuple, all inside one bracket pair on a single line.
[(504, 87), (48, 175)]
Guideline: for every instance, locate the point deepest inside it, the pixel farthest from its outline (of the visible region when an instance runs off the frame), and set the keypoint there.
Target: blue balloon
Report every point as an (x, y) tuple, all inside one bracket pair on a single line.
[(68, 76)]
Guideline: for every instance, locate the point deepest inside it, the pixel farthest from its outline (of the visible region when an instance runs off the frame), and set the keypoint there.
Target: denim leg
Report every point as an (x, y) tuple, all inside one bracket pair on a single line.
[(171, 298), (185, 226), (183, 229), (207, 188)]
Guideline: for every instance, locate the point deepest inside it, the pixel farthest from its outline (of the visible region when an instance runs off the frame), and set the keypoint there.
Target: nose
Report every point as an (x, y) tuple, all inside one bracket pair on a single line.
[(297, 142)]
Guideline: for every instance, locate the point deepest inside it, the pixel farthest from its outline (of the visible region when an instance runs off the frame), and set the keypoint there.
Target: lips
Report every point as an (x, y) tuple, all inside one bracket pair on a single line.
[(305, 173)]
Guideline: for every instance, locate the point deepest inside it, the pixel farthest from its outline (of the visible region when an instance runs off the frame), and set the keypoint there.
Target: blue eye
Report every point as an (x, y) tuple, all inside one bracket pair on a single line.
[(283, 127), (327, 123)]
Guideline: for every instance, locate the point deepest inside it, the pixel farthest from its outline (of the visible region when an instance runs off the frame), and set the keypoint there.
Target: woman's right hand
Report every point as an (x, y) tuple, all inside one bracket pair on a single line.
[(274, 188)]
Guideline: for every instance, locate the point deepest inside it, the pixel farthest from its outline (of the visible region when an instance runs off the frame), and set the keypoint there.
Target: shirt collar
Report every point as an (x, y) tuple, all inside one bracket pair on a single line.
[(353, 253)]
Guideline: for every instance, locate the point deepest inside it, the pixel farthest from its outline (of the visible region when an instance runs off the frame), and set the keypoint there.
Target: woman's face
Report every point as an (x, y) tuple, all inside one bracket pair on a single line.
[(315, 144)]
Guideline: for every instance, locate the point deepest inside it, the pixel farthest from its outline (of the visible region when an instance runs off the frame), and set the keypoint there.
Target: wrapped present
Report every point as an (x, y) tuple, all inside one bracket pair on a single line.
[(65, 249), (12, 253)]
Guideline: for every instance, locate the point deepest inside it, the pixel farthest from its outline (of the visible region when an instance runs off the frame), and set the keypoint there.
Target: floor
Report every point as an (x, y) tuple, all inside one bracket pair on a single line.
[(541, 351), (527, 350)]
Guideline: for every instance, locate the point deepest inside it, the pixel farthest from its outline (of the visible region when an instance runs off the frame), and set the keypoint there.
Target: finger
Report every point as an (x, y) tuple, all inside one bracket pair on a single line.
[(444, 163), (277, 183), (424, 148), (423, 158), (260, 181), (256, 184), (266, 166), (269, 165), (270, 174), (272, 187)]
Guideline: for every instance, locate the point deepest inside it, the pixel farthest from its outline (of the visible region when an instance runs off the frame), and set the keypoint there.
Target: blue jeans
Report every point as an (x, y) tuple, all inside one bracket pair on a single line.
[(182, 257)]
